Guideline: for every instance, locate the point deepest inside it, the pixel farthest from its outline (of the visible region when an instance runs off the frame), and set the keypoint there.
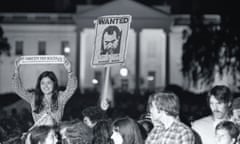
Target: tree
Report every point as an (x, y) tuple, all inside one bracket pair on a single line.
[(4, 45), (211, 51)]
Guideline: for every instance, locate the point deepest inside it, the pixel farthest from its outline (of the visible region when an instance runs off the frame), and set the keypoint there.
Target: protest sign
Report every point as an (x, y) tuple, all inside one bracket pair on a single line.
[(110, 39), (42, 59)]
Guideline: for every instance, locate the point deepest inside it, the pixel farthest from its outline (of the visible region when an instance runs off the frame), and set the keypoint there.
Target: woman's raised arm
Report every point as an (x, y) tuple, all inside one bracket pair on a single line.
[(17, 83), (71, 83)]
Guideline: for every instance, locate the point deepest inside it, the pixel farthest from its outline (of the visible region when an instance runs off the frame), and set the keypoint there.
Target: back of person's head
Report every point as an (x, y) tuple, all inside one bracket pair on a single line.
[(38, 134), (222, 93), (145, 126), (76, 132), (129, 130), (95, 113), (231, 128), (166, 101), (102, 132)]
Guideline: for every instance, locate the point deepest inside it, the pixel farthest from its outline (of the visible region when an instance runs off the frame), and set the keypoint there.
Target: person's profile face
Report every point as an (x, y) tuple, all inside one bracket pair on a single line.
[(88, 122), (223, 137), (116, 136), (155, 115), (236, 115), (110, 41)]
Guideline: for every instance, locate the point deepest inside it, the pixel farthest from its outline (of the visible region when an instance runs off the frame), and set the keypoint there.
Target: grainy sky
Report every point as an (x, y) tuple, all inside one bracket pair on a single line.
[(178, 6)]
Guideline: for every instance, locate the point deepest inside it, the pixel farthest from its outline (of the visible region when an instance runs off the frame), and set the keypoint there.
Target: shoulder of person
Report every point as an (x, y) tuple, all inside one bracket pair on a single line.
[(203, 121), (183, 127)]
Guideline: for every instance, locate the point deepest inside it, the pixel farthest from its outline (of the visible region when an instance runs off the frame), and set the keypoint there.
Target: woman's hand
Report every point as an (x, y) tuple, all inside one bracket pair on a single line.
[(17, 63), (67, 65), (104, 104)]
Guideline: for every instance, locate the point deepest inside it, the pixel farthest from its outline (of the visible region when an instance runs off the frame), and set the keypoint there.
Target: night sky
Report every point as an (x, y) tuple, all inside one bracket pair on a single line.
[(178, 6)]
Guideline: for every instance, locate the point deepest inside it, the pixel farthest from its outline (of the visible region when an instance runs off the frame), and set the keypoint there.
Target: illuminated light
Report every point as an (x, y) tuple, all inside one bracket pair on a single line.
[(150, 78), (94, 81), (124, 72), (67, 50)]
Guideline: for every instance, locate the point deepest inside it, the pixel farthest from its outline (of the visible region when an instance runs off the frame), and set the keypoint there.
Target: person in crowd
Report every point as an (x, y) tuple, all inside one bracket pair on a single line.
[(42, 135), (145, 126), (236, 111), (227, 133), (92, 114), (102, 133), (220, 100), (164, 110), (75, 132), (126, 131), (47, 101), (3, 134)]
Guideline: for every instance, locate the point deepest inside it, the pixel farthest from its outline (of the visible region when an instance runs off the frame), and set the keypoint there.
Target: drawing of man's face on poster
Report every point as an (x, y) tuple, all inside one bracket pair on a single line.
[(111, 39)]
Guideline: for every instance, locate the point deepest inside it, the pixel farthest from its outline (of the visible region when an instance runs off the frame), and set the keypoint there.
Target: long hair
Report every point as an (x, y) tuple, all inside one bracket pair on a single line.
[(102, 133), (129, 130), (38, 134), (39, 94)]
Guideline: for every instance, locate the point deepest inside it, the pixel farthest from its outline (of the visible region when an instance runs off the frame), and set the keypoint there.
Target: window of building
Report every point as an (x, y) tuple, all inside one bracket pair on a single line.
[(152, 49), (42, 47), (19, 48), (65, 48), (124, 84)]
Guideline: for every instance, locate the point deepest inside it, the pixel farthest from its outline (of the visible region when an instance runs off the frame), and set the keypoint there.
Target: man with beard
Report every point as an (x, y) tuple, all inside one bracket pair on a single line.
[(219, 100)]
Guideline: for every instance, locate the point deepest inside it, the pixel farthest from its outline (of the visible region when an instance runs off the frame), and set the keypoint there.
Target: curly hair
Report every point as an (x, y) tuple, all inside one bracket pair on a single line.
[(95, 113)]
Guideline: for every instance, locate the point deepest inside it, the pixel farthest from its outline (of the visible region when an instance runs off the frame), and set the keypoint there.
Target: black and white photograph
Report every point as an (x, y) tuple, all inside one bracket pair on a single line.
[(119, 72)]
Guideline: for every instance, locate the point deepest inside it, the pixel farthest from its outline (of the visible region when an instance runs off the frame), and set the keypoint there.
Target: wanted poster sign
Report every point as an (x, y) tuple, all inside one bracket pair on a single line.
[(110, 39), (42, 59)]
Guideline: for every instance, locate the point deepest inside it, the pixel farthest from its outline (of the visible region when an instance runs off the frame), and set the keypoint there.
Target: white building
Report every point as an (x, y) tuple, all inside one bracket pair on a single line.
[(153, 53), (36, 34)]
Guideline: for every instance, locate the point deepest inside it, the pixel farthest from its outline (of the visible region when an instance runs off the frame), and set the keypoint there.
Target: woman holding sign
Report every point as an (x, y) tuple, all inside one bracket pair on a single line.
[(47, 101)]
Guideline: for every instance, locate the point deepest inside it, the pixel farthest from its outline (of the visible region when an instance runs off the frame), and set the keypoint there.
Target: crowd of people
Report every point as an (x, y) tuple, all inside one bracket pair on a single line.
[(158, 118)]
